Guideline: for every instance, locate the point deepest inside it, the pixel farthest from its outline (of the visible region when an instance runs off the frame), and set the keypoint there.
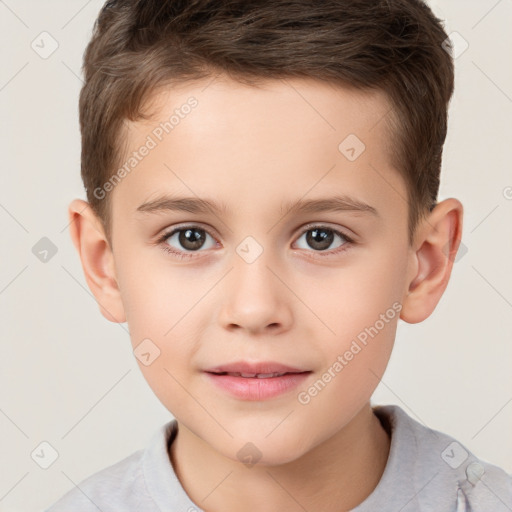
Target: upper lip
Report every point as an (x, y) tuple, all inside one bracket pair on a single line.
[(263, 367)]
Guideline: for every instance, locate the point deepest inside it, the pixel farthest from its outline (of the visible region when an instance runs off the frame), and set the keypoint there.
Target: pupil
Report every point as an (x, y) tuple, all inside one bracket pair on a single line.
[(320, 239), (191, 238)]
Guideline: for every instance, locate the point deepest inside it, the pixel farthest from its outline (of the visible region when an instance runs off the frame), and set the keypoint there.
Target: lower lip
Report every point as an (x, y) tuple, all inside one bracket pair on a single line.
[(252, 388)]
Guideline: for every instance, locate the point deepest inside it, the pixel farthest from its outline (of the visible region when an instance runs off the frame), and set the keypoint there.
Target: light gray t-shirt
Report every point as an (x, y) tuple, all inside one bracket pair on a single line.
[(426, 471)]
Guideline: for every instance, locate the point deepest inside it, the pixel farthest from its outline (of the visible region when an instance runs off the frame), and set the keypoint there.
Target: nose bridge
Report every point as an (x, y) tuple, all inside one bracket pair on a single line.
[(254, 298)]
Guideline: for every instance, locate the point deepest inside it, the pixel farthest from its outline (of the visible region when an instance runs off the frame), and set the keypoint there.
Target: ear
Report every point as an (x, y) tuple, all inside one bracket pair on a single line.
[(89, 239), (431, 260)]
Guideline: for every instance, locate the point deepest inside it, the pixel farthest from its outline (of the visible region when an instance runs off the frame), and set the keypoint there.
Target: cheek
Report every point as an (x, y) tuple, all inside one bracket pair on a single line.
[(157, 299), (361, 304), (364, 319), (160, 304), (355, 297)]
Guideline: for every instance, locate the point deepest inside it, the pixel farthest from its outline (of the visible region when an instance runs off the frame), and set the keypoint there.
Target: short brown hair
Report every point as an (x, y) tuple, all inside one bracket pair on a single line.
[(397, 46)]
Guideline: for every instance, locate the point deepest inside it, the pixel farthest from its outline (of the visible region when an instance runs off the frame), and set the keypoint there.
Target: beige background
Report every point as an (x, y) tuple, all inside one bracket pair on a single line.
[(68, 377)]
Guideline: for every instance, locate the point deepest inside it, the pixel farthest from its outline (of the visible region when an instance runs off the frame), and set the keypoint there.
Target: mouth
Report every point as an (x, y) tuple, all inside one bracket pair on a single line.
[(254, 375), (256, 381), (250, 369)]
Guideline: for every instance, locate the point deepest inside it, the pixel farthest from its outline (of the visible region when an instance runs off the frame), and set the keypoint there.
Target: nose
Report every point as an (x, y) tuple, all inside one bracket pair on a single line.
[(255, 300)]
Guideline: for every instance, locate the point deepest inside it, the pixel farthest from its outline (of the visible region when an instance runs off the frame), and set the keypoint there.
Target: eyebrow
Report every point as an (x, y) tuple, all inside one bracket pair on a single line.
[(332, 204), (183, 204), (203, 206)]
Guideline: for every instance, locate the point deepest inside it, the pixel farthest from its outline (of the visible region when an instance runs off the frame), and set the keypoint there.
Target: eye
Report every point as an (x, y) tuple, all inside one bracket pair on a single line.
[(322, 238), (186, 239)]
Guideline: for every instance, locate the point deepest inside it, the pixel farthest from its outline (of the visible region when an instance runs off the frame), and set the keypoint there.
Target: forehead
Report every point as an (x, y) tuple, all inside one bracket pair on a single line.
[(243, 145), (305, 108)]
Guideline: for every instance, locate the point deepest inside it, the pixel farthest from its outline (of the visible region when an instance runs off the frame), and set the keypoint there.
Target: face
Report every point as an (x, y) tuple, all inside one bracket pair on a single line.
[(296, 267)]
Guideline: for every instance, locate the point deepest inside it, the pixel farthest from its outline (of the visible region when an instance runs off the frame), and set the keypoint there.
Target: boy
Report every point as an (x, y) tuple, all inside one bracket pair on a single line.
[(262, 180)]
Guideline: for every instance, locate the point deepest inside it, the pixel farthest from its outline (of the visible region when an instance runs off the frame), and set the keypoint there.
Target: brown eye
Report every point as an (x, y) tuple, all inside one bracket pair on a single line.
[(321, 238), (189, 239)]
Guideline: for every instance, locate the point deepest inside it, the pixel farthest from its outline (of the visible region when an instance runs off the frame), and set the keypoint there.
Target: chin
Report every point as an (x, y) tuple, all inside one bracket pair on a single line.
[(265, 452)]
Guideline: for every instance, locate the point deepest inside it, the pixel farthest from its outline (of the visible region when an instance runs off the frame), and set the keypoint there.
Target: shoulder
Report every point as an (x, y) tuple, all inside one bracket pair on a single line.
[(105, 490), (441, 472), (121, 487)]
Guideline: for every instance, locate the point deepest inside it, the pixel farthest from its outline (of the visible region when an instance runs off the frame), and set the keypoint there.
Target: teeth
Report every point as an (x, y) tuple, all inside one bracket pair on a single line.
[(257, 375)]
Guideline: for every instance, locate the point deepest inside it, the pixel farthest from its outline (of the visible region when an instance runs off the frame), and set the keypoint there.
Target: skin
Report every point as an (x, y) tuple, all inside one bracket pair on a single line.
[(254, 149)]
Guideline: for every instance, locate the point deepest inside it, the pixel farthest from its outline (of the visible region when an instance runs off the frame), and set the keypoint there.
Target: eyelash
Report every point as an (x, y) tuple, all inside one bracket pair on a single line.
[(187, 255)]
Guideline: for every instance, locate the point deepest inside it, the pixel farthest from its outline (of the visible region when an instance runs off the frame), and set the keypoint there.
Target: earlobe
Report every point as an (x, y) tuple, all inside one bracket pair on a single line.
[(431, 263), (97, 259)]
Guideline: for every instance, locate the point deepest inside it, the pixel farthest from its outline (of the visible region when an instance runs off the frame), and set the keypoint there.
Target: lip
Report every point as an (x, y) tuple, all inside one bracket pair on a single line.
[(255, 367), (256, 388)]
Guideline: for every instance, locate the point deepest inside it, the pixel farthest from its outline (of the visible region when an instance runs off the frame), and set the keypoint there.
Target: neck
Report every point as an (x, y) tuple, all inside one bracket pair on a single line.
[(338, 474)]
